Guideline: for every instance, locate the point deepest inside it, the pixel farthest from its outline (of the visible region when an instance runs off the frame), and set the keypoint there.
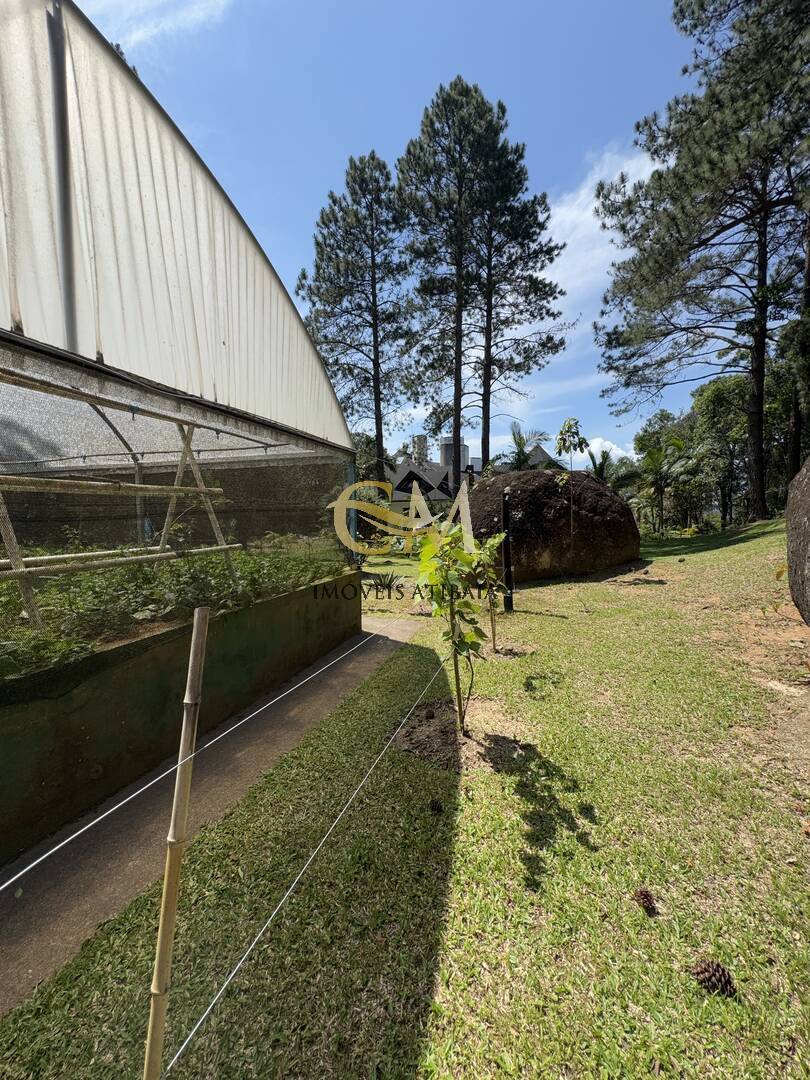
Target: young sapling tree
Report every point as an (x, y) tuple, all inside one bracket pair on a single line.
[(487, 561), (446, 568), (569, 440)]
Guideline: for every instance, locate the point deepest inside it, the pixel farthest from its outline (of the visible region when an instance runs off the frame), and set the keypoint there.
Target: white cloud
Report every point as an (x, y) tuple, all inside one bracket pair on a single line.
[(582, 269), (597, 445), (136, 22), (553, 389)]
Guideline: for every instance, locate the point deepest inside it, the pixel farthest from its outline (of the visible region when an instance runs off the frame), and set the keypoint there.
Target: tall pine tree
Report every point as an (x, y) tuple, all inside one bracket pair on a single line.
[(712, 269), (755, 54), (357, 296), (440, 181), (514, 300)]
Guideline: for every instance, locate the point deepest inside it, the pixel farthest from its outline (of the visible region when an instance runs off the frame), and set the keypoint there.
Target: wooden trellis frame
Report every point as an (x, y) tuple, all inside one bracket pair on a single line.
[(22, 568)]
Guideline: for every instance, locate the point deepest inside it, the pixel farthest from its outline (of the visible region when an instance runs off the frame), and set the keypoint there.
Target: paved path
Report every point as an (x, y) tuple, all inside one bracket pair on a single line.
[(63, 900)]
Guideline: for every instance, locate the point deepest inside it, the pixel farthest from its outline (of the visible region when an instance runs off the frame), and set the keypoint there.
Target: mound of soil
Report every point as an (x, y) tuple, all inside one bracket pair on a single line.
[(797, 516), (605, 532), (431, 733)]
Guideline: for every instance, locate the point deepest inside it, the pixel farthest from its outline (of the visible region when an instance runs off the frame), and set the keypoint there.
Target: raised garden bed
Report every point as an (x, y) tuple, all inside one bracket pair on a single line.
[(90, 610), (76, 733)]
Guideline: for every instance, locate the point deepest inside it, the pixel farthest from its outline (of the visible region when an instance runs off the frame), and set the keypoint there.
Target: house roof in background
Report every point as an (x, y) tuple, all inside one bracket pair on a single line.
[(433, 479)]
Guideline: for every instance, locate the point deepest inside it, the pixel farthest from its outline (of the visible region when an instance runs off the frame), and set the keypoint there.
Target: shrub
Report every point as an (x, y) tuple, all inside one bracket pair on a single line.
[(85, 608)]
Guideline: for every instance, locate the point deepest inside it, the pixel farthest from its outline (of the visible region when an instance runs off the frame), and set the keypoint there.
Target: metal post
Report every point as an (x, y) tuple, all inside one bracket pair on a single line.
[(506, 549), (56, 35), (209, 509), (139, 502), (175, 845), (351, 478)]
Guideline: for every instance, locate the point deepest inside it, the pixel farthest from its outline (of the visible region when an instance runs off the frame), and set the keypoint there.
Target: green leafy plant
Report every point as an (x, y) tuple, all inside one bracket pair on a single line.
[(446, 568), (569, 440), (388, 582), (487, 564), (89, 607)]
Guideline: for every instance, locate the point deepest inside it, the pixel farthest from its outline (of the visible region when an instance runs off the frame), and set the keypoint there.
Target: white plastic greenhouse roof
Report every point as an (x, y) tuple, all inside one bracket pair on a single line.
[(117, 243)]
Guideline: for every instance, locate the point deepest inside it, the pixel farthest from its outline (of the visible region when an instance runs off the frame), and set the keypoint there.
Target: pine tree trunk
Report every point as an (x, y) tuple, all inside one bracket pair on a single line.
[(458, 345), (794, 433), (723, 506), (796, 410), (376, 380), (486, 370), (758, 505)]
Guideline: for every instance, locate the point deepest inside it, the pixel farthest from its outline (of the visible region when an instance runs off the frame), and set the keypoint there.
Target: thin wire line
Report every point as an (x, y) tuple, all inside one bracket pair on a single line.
[(168, 772), (297, 878)]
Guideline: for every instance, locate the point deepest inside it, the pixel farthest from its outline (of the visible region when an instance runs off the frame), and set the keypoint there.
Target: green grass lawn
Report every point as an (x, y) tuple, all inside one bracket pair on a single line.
[(497, 937), (405, 565)]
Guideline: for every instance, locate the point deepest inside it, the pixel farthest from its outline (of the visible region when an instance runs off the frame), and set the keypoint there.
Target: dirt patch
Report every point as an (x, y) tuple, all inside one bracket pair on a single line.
[(138, 631), (784, 746), (494, 742), (774, 647), (421, 608)]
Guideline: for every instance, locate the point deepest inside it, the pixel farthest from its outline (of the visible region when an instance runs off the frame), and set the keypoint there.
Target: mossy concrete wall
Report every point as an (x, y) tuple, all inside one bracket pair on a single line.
[(74, 735)]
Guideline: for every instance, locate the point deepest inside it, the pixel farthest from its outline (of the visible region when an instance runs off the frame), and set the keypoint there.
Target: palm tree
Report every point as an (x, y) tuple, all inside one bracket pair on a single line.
[(601, 467), (658, 470), (619, 473), (524, 443)]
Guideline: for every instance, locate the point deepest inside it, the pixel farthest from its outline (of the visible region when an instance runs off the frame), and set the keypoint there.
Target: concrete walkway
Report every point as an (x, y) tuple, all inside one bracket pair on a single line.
[(52, 910)]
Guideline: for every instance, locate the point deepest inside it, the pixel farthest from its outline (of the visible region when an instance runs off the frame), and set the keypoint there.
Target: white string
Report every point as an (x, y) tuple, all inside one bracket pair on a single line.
[(297, 878), (174, 768)]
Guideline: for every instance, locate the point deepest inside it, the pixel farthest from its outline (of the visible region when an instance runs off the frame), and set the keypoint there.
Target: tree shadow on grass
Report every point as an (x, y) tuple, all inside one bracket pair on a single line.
[(693, 545), (546, 790), (642, 581), (344, 982), (341, 982)]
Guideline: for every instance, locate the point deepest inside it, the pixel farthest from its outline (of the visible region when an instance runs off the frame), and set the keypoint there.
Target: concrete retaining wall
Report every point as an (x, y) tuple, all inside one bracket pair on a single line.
[(74, 735)]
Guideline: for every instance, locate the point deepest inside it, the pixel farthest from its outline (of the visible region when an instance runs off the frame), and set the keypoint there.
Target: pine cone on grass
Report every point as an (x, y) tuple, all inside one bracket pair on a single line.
[(645, 900), (714, 978)]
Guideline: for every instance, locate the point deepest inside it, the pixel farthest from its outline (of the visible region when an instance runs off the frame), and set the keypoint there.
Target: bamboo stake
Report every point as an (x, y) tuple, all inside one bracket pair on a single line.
[(178, 477), (9, 538), (219, 536), (78, 556), (53, 486), (491, 600), (51, 569), (175, 845)]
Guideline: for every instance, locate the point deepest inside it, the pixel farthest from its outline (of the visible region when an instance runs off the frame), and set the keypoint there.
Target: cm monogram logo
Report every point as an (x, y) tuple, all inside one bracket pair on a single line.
[(419, 521)]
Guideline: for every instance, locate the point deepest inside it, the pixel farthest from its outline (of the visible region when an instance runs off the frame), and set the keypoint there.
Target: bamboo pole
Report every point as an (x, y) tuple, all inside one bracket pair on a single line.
[(140, 511), (178, 479), (175, 844), (53, 486), (219, 536), (50, 569), (9, 538), (77, 556)]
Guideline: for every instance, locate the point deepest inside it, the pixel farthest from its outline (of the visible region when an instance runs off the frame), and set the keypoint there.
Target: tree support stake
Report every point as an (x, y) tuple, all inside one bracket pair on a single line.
[(175, 845)]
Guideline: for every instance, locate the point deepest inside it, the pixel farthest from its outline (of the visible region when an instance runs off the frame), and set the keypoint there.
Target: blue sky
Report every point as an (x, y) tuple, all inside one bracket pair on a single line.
[(275, 95)]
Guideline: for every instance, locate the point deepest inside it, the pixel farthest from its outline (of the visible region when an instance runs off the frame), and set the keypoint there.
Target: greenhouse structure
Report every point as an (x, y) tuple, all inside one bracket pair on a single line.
[(169, 435)]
